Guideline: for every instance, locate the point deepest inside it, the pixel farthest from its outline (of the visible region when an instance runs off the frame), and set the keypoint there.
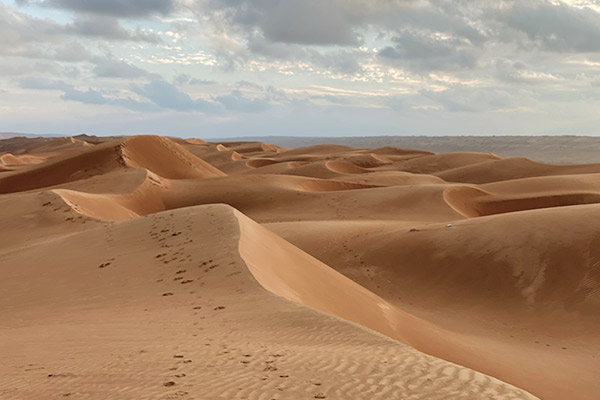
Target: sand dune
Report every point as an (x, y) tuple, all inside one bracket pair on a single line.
[(149, 267), (511, 168), (436, 163), (157, 154), (11, 159), (204, 322)]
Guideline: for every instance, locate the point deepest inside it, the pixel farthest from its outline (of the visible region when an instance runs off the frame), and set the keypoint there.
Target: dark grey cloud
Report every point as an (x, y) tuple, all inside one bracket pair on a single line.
[(70, 52), (117, 8), (108, 27), (339, 60), (520, 72), (26, 36), (326, 33), (313, 22), (552, 26), (427, 52)]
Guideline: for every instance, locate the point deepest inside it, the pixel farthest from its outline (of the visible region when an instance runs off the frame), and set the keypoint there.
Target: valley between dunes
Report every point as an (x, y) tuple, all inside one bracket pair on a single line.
[(148, 267)]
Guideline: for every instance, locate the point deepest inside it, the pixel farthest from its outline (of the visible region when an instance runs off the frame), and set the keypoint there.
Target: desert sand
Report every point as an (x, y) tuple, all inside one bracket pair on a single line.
[(149, 267)]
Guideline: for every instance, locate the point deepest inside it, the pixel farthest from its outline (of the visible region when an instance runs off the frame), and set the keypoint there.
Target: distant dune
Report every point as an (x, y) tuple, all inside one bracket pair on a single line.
[(550, 149), (148, 267)]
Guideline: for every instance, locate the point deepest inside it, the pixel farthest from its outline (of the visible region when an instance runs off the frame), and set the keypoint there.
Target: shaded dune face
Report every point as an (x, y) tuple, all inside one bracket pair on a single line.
[(457, 262), (473, 202)]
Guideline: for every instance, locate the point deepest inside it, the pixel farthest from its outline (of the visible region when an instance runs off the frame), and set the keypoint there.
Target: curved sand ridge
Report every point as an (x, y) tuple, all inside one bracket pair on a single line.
[(290, 197), (437, 163), (165, 158), (476, 202), (146, 199), (205, 320), (157, 154), (11, 159), (509, 169)]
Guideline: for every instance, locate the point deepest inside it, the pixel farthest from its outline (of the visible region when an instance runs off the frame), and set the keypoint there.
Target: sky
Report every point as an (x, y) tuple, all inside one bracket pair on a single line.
[(229, 68)]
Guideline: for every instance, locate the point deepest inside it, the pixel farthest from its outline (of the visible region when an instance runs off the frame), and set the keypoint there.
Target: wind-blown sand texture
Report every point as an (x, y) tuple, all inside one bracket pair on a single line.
[(157, 268)]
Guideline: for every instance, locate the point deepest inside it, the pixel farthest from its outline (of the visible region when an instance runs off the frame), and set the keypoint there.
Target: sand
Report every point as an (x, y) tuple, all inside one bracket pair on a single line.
[(157, 268)]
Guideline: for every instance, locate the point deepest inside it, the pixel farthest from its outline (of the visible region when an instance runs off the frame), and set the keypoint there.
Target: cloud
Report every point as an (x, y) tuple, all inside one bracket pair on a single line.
[(87, 96), (71, 52), (21, 32), (339, 61), (161, 95), (168, 96), (111, 68), (236, 101), (107, 27), (428, 52), (187, 79), (520, 72), (43, 84), (466, 99), (117, 8), (327, 34), (312, 22), (553, 26), (26, 36)]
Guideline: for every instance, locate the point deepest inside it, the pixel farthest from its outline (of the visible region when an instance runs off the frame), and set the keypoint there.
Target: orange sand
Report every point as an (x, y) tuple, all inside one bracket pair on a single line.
[(158, 268)]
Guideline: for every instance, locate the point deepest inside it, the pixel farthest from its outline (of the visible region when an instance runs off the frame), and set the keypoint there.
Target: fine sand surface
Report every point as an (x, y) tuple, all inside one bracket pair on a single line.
[(157, 268)]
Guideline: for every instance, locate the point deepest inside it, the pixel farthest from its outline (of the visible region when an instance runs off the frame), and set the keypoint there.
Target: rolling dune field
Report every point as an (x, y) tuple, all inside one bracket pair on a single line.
[(148, 267)]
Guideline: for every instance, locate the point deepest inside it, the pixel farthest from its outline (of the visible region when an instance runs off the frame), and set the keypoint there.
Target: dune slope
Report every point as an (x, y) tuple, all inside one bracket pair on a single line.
[(209, 329)]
